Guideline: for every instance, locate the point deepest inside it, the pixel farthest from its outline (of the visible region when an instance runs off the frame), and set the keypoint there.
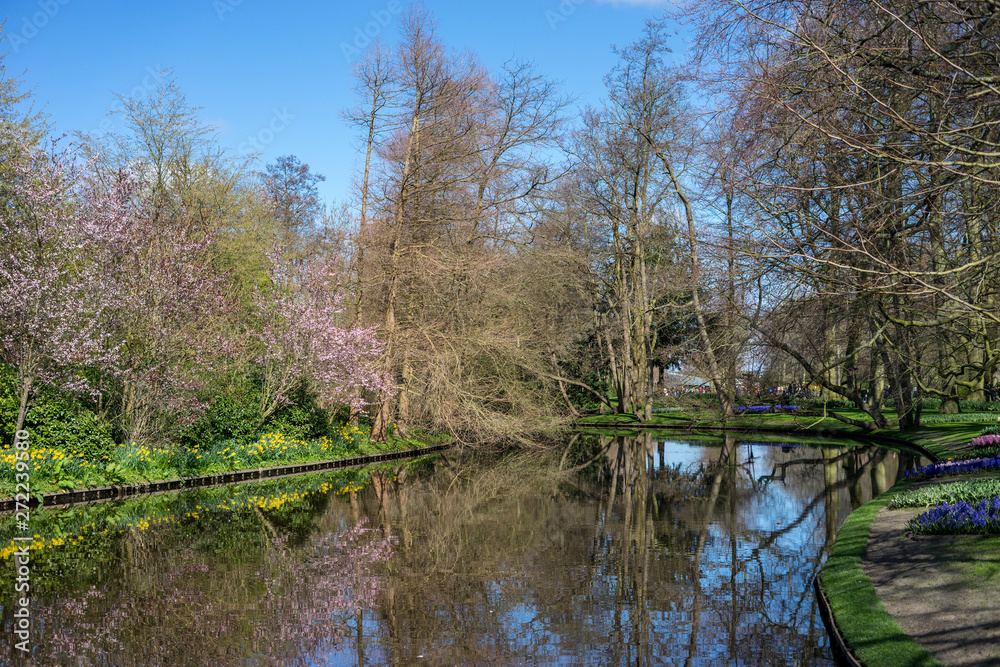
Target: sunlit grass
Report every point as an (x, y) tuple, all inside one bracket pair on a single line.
[(866, 625)]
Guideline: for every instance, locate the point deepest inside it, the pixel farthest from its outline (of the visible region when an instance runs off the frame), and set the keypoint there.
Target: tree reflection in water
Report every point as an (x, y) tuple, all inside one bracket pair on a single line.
[(655, 553), (614, 550)]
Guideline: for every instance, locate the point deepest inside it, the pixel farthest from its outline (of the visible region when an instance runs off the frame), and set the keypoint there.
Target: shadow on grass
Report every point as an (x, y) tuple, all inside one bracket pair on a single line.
[(868, 629)]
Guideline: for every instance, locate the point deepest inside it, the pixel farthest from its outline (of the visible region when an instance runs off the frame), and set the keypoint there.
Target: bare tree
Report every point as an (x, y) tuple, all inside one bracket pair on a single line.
[(291, 188), (455, 158), (634, 154), (869, 150)]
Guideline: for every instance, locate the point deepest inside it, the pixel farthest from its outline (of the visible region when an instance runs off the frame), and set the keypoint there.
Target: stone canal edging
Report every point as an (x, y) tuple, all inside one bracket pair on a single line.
[(118, 492)]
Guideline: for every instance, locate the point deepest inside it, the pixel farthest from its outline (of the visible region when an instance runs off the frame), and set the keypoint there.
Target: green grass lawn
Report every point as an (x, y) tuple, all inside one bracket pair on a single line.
[(943, 439), (710, 419), (867, 627), (978, 560)]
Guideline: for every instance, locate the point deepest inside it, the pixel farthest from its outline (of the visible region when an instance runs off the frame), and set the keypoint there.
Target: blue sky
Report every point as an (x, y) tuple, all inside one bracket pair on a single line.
[(277, 75)]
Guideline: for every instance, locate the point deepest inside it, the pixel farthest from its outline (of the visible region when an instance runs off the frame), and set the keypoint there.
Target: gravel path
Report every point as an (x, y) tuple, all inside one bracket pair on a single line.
[(921, 583)]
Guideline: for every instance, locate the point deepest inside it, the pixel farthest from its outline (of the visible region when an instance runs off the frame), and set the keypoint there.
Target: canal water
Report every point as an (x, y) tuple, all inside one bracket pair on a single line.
[(612, 550)]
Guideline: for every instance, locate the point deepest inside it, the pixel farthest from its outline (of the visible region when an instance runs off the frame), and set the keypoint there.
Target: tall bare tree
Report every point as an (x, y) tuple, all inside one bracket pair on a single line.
[(291, 188), (869, 149), (456, 155), (632, 157)]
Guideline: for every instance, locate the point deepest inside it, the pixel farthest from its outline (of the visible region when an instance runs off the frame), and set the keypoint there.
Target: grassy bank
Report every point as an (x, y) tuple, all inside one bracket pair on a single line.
[(866, 626), (944, 439), (707, 419), (53, 469)]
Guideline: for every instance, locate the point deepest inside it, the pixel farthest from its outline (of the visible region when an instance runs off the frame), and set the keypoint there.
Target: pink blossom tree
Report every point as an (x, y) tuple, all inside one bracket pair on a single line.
[(172, 318), (303, 339), (53, 305), (102, 290)]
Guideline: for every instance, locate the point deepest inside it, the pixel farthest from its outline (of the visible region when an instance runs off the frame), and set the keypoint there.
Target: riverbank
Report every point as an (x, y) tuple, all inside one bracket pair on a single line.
[(899, 599), (90, 495), (894, 599), (38, 472)]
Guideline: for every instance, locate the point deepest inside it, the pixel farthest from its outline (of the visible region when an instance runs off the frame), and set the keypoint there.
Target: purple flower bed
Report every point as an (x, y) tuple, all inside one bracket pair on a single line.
[(954, 467), (960, 518), (983, 441), (764, 408)]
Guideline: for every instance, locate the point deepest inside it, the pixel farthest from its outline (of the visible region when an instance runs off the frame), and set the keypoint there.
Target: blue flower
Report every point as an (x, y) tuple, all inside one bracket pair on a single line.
[(954, 467), (960, 518)]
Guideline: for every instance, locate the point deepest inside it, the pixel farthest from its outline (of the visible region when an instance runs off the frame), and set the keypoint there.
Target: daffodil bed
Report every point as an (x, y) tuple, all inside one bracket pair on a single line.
[(53, 469), (77, 527)]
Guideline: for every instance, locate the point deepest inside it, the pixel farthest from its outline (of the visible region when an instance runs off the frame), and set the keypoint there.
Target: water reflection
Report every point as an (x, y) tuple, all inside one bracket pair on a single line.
[(662, 552), (253, 574), (638, 550)]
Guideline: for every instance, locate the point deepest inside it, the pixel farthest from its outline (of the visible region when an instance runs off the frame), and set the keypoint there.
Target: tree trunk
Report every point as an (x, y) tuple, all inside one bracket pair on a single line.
[(22, 411)]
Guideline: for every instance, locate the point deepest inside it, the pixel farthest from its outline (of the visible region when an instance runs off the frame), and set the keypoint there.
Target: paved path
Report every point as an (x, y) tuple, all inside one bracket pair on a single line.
[(920, 581)]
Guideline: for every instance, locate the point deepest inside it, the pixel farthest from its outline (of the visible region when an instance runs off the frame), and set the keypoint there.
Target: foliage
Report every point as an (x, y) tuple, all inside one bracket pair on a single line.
[(303, 418), (961, 417), (55, 298), (291, 189), (968, 491), (55, 420), (233, 414), (871, 294), (54, 469), (988, 450), (960, 518), (980, 406), (303, 340)]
